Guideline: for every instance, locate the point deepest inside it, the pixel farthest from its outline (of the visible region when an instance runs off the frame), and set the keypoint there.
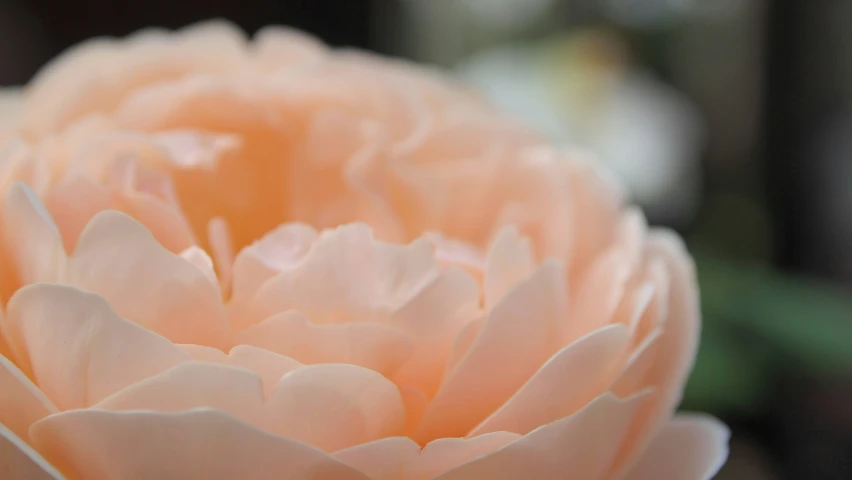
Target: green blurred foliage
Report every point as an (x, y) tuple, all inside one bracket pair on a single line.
[(759, 324)]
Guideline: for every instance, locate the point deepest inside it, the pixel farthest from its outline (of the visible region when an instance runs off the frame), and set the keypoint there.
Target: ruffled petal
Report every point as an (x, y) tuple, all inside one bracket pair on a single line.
[(78, 349), (119, 259), (349, 277), (519, 335)]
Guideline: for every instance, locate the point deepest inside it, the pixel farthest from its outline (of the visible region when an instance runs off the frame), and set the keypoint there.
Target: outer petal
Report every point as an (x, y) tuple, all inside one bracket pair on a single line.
[(674, 349), (119, 259), (18, 461), (79, 350), (102, 445), (562, 449), (690, 447), (328, 406), (567, 382), (517, 338), (21, 402), (399, 458)]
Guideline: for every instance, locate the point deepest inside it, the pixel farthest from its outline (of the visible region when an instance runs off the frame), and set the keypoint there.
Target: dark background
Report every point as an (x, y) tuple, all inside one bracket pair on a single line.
[(773, 230)]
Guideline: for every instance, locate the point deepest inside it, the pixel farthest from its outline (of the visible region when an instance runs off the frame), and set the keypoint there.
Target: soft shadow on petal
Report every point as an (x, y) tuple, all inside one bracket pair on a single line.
[(32, 236), (433, 319), (18, 461), (510, 260), (399, 458), (334, 406), (690, 447), (118, 258), (21, 401), (235, 391), (567, 382), (281, 249), (518, 337), (73, 201), (562, 449), (327, 406), (81, 351), (270, 366), (202, 261), (207, 444)]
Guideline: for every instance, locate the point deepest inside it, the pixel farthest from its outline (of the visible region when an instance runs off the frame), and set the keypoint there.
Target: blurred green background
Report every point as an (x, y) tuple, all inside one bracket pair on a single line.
[(729, 120)]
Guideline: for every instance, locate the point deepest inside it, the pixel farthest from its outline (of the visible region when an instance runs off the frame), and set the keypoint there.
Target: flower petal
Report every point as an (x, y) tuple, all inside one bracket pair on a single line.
[(119, 259), (21, 401), (567, 382), (562, 449), (199, 258), (102, 445), (268, 365), (73, 201), (674, 349), (519, 335), (76, 84), (278, 250), (433, 319), (79, 350), (385, 459), (376, 347), (336, 406), (690, 447), (510, 260), (18, 461), (276, 48), (399, 458), (349, 276), (235, 391), (32, 236)]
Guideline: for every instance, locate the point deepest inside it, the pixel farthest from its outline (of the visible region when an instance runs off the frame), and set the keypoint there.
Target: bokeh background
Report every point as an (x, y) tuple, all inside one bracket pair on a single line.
[(729, 120)]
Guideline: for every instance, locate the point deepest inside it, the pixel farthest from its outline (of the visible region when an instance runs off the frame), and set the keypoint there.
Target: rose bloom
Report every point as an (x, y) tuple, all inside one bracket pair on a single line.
[(225, 259)]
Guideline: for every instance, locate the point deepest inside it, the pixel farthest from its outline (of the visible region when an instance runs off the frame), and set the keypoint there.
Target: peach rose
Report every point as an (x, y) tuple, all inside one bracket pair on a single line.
[(232, 259)]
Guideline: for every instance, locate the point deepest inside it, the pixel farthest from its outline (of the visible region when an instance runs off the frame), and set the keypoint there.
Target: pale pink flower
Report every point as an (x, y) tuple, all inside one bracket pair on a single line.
[(262, 259)]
